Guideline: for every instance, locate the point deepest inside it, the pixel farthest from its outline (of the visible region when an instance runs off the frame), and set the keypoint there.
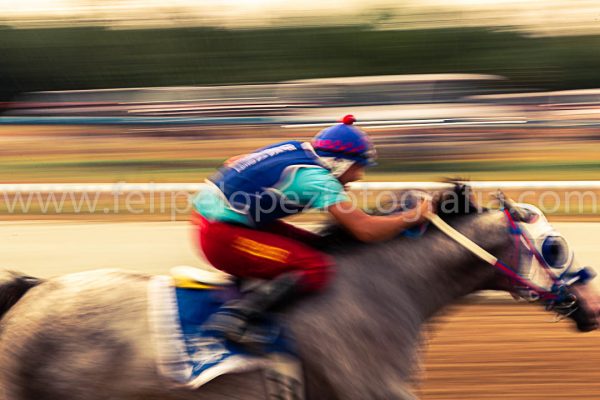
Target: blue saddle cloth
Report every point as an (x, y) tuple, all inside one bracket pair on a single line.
[(193, 356)]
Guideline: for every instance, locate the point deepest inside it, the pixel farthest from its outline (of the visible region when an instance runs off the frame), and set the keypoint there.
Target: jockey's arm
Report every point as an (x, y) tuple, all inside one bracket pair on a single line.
[(372, 228)]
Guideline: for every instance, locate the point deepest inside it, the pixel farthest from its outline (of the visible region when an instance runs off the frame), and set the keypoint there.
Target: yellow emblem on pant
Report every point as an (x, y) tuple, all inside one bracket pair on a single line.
[(261, 250)]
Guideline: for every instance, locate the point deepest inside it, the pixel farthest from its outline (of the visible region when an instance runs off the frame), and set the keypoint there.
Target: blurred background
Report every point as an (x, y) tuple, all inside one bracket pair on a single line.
[(153, 91)]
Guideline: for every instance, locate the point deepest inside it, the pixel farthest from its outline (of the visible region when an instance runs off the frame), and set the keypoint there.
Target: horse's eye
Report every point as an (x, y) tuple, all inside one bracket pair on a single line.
[(555, 251)]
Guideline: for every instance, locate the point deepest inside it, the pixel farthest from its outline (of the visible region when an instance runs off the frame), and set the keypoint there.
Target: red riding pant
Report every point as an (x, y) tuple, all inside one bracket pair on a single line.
[(266, 253)]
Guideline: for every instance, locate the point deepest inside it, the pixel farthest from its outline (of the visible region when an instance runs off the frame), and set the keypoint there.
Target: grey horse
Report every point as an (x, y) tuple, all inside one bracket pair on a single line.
[(85, 336)]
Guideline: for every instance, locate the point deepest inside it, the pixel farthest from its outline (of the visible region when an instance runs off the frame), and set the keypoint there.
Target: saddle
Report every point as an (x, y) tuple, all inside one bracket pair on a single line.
[(187, 277), (181, 303)]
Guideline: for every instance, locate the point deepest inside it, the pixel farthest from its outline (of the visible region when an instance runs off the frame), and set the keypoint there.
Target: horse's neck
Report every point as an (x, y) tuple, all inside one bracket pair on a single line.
[(364, 329), (406, 281), (437, 271), (423, 277)]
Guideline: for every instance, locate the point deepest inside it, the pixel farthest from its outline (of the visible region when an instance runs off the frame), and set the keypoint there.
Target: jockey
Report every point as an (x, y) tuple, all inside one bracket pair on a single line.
[(239, 223)]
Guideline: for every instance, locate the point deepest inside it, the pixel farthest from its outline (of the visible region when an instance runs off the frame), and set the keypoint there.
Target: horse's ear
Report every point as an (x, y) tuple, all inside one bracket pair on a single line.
[(516, 212), (459, 200), (466, 197), (501, 197)]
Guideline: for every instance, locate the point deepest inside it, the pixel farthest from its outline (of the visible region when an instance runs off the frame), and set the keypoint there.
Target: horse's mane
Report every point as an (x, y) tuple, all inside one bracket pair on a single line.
[(451, 203)]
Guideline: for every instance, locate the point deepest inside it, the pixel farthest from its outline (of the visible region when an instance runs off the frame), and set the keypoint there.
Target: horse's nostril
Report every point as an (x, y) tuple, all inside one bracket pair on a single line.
[(587, 327)]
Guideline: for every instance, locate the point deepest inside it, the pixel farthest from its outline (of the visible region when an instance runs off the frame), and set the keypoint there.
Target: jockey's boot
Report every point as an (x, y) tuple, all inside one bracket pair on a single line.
[(234, 317)]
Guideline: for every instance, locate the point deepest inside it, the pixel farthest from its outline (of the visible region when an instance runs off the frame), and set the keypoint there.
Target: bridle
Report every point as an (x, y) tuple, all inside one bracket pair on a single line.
[(556, 298)]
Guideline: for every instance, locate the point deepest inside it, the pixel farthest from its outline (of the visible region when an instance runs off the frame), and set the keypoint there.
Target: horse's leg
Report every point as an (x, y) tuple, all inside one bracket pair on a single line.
[(377, 391), (347, 375), (336, 383)]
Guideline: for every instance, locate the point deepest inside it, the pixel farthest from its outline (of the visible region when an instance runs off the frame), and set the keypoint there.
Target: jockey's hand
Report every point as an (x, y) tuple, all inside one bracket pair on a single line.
[(374, 228), (422, 211)]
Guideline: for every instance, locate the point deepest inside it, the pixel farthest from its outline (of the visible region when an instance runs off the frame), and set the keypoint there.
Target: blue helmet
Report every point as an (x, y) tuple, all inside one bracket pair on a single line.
[(345, 141)]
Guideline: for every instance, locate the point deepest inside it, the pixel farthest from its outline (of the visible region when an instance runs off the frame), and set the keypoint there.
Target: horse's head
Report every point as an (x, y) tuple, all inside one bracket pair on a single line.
[(546, 267), (531, 258), (520, 253)]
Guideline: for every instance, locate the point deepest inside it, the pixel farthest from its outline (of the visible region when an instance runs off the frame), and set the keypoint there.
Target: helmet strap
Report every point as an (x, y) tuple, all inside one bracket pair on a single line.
[(337, 165)]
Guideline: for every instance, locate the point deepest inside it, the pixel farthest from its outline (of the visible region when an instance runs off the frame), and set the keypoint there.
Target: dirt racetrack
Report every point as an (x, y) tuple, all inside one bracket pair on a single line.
[(508, 351)]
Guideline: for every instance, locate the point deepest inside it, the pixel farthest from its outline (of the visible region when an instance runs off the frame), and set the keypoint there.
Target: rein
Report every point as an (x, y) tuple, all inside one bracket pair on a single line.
[(557, 295)]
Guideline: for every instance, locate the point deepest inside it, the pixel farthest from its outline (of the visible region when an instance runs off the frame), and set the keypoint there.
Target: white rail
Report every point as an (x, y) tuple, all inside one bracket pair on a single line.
[(120, 187)]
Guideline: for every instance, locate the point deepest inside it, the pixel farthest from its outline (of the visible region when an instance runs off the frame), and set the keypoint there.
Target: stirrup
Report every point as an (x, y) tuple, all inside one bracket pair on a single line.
[(256, 337), (228, 324), (249, 333)]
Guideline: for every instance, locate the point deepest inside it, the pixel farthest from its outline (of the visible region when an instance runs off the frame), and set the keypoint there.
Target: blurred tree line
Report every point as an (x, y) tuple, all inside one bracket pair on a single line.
[(85, 58)]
